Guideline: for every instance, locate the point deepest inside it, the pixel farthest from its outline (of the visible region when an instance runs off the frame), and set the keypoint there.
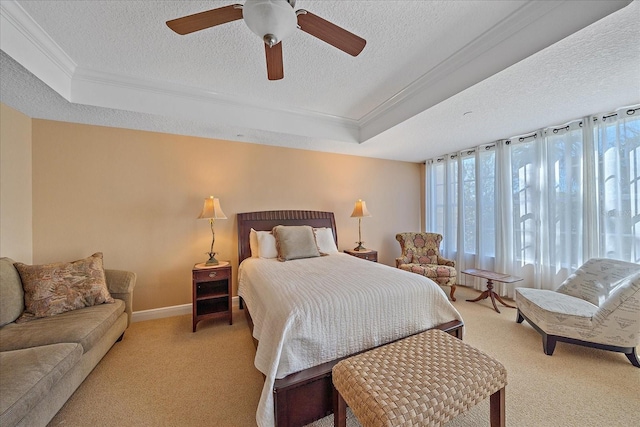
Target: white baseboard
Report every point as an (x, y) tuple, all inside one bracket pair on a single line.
[(175, 310)]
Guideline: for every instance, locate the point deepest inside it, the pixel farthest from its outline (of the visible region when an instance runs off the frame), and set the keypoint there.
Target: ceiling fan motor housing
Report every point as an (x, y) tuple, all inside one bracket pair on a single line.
[(271, 20)]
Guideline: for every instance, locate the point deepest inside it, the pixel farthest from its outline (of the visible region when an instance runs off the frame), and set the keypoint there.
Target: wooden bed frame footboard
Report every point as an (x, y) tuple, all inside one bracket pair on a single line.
[(305, 396)]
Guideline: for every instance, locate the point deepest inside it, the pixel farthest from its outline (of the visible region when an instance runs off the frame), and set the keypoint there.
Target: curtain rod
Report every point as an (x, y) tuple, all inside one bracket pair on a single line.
[(522, 138), (629, 112)]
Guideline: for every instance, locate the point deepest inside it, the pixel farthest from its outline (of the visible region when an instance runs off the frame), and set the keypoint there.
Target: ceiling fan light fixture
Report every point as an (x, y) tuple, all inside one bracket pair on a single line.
[(270, 40), (271, 20)]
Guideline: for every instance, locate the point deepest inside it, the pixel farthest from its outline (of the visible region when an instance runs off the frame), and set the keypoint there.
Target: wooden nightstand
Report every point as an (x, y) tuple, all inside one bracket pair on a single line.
[(211, 292), (369, 255)]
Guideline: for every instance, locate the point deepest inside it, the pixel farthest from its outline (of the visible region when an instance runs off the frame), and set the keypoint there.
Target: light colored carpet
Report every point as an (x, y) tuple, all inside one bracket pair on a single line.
[(162, 374)]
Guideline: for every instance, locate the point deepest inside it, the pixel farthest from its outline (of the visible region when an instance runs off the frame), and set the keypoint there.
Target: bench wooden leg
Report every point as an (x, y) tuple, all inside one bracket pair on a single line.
[(339, 410), (496, 404)]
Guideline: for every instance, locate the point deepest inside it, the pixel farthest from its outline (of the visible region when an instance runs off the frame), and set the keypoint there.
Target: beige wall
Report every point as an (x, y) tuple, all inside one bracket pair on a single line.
[(15, 185), (135, 197)]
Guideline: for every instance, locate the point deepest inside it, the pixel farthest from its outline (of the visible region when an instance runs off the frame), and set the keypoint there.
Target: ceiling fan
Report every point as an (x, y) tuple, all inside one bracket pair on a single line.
[(272, 21)]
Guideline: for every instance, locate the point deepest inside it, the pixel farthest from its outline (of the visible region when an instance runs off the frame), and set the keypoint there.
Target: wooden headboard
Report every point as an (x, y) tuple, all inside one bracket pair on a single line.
[(266, 220)]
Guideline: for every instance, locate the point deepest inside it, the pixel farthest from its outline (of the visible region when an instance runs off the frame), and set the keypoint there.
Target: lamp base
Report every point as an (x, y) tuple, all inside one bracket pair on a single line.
[(212, 259), (360, 248)]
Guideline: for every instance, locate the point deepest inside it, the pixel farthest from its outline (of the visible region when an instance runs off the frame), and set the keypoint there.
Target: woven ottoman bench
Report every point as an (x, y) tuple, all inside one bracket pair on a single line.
[(423, 380)]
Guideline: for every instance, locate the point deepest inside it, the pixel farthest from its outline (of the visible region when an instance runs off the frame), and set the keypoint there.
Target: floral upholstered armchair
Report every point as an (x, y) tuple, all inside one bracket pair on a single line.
[(421, 255)]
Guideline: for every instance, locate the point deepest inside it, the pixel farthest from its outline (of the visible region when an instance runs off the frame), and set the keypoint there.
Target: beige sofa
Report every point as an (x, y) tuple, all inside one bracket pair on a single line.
[(43, 361)]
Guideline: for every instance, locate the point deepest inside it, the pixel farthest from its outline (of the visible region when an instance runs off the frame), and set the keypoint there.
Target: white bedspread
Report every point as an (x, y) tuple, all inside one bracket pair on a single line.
[(310, 311)]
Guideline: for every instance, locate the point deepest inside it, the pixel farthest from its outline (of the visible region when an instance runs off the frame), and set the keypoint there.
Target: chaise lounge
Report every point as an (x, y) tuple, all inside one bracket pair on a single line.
[(597, 306)]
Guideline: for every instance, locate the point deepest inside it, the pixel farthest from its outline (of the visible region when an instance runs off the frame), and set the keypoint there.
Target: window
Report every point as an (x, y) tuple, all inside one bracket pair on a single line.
[(617, 145), (573, 194), (469, 211), (524, 188)]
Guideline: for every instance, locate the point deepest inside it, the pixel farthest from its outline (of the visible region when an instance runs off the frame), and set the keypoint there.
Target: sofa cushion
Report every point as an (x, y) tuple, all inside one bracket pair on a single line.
[(59, 287), (28, 375), (11, 293), (84, 326)]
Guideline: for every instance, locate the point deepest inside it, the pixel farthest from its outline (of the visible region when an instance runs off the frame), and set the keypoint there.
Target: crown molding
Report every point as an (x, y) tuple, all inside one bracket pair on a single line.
[(532, 27), (26, 42), (107, 90)]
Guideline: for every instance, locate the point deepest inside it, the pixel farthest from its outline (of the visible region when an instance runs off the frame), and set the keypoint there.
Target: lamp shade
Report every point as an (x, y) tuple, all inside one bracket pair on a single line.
[(270, 17), (212, 209), (360, 209)]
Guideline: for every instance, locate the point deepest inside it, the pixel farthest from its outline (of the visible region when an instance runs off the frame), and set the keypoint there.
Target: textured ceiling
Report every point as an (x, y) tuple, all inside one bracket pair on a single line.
[(425, 64)]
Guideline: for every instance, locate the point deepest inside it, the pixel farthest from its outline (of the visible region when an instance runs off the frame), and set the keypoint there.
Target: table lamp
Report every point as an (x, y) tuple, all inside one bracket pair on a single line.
[(359, 211), (212, 211)]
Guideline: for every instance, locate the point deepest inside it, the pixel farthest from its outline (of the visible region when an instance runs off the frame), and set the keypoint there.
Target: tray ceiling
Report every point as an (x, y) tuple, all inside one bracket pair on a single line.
[(514, 64)]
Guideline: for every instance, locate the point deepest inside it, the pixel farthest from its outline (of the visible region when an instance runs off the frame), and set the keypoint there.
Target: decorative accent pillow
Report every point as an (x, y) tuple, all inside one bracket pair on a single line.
[(52, 289), (627, 290), (295, 242), (324, 239), (253, 243), (266, 245), (596, 278), (11, 292)]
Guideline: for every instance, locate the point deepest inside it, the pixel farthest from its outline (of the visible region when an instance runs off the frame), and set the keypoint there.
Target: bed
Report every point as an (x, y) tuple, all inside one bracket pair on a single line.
[(306, 315)]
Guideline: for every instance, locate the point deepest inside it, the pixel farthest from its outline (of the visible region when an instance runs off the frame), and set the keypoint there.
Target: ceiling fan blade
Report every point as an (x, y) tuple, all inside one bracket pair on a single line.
[(275, 67), (207, 19), (330, 33)]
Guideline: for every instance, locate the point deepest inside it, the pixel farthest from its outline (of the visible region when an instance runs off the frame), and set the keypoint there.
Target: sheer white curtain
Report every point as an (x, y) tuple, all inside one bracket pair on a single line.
[(539, 205), (548, 210), (617, 155), (467, 218), (442, 217), (505, 253), (464, 208)]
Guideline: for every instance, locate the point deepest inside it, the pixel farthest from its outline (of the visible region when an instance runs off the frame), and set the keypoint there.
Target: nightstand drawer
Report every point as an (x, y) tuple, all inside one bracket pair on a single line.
[(370, 255), (211, 274)]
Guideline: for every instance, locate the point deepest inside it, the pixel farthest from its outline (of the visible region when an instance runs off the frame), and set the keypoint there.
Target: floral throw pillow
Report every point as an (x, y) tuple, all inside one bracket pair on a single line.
[(51, 289)]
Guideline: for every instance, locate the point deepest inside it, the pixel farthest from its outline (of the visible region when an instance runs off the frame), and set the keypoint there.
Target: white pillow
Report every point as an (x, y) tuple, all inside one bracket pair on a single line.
[(266, 245), (253, 243), (324, 239)]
